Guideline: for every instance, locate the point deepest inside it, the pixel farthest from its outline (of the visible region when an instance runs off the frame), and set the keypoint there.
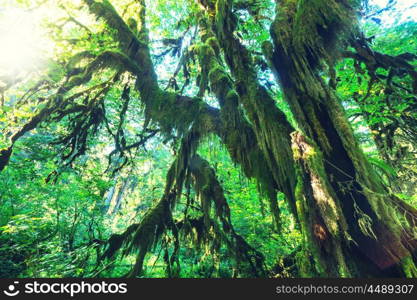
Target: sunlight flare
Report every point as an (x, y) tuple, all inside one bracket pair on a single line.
[(20, 42)]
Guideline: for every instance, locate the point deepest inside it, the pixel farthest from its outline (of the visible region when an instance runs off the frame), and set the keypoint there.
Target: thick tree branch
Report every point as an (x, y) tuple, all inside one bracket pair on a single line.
[(270, 125)]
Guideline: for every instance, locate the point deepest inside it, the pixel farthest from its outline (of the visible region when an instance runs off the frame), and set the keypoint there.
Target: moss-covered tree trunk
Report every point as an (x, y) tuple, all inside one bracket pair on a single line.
[(352, 225)]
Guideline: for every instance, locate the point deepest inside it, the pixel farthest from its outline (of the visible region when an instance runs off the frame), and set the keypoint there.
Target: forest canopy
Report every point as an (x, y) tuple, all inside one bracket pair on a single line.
[(208, 138)]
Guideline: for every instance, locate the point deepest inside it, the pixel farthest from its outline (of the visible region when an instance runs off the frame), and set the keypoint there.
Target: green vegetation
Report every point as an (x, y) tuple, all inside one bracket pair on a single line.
[(208, 138)]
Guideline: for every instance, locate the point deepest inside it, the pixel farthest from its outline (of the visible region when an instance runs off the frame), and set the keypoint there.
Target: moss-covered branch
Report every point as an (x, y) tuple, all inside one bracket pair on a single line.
[(238, 134), (210, 192), (59, 103), (270, 126), (140, 238)]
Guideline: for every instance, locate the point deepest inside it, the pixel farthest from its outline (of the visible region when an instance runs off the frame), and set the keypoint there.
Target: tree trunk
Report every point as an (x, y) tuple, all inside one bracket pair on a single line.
[(352, 225)]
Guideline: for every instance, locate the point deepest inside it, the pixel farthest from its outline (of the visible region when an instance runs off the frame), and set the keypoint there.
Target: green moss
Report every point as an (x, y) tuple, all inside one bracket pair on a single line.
[(317, 204), (317, 27), (107, 12), (409, 267)]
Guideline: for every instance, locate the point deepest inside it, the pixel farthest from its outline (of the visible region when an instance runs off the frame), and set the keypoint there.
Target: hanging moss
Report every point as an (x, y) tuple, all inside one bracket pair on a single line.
[(116, 242), (142, 237), (57, 103), (239, 137), (271, 128)]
